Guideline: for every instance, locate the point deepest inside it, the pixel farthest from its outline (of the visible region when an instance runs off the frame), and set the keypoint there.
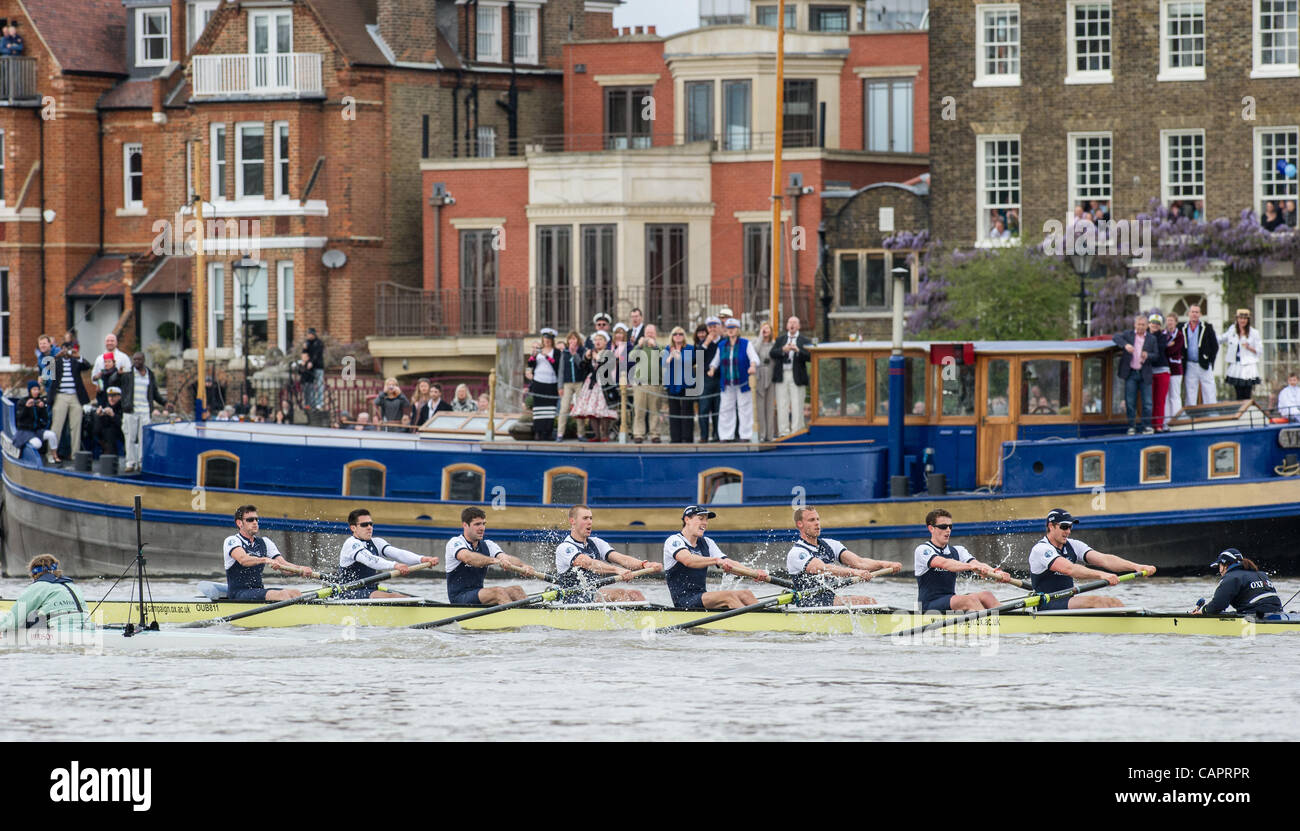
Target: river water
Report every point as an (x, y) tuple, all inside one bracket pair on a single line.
[(376, 684)]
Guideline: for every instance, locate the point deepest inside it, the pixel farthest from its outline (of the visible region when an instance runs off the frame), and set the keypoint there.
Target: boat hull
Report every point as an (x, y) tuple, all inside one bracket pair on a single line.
[(647, 618)]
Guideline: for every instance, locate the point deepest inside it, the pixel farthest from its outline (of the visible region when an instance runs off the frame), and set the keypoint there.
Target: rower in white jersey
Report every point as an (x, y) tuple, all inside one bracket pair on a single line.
[(246, 554), (936, 567), (365, 555), (813, 557), (468, 558), (581, 558), (1056, 561), (687, 557)]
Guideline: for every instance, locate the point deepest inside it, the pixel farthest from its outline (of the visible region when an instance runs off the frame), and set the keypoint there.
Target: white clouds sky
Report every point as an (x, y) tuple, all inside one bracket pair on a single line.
[(669, 16)]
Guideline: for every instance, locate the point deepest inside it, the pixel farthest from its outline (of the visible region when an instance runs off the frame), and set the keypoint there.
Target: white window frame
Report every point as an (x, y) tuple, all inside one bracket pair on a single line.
[(1166, 156), (217, 135), (239, 159), (983, 78), (2, 169), (1272, 368), (281, 161), (283, 310), (216, 302), (533, 15), (140, 15), (1260, 196), (493, 11), (6, 291), (1259, 68), (1180, 73), (862, 255), (983, 208), (1075, 190), (1098, 76), (889, 113), (237, 307), (194, 11), (127, 150)]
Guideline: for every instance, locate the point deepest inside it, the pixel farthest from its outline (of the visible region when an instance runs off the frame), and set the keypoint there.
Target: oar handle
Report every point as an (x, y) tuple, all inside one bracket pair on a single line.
[(751, 573), (297, 571)]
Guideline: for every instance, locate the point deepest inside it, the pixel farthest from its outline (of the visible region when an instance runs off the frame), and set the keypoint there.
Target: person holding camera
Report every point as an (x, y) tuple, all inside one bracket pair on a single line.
[(107, 422), (32, 423), (312, 371), (70, 394)]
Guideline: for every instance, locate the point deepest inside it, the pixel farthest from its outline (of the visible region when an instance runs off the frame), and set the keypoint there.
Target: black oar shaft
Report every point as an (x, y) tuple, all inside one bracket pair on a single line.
[(318, 594), (541, 597), (778, 600)]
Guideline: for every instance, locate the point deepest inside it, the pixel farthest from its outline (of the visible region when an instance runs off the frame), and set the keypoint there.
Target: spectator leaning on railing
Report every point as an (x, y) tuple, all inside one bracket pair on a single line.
[(12, 42), (392, 408)]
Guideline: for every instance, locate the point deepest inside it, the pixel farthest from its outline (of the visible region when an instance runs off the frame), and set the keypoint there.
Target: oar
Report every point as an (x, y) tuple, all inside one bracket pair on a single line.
[(1026, 602), (837, 583), (319, 594), (539, 575), (540, 597), (774, 600), (316, 575)]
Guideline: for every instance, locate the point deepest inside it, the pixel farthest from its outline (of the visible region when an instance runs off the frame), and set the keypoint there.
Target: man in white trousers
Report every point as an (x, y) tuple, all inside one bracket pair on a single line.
[(1198, 363), (737, 362), (790, 358)]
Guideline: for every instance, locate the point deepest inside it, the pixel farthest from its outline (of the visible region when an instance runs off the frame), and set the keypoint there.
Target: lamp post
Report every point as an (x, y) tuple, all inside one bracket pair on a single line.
[(246, 271), (1083, 264)]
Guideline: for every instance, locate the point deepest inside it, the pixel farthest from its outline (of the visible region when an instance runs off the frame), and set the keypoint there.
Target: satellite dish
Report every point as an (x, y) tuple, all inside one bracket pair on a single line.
[(333, 258)]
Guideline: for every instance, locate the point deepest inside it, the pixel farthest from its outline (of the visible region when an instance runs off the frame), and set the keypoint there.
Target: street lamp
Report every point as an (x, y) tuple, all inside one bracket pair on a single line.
[(246, 271), (1083, 264)]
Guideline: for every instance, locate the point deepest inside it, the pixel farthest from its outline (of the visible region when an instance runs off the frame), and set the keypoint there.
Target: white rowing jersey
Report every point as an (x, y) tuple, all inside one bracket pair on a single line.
[(570, 549), (458, 543), (677, 543), (236, 541), (802, 553), (1043, 553), (927, 551), (375, 553)]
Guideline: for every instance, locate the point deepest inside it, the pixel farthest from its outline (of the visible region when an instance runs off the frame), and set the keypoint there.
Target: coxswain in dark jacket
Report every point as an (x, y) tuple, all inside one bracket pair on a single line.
[(1243, 587)]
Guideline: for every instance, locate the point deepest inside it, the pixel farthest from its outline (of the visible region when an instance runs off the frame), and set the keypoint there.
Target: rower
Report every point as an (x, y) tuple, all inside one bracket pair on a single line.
[(1056, 561), (813, 555), (365, 555), (936, 567), (581, 558), (246, 554), (468, 558), (51, 598), (687, 557), (1244, 587)]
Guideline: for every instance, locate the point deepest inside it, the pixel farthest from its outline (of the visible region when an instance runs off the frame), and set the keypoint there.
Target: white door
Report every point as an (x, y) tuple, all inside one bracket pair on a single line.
[(270, 40)]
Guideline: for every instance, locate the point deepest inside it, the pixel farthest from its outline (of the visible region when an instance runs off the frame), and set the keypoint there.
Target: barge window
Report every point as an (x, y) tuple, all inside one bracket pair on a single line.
[(218, 469), (1045, 387), (462, 483), (1225, 459), (565, 486), (958, 391), (1116, 391), (841, 387), (1094, 385), (1090, 469), (721, 486), (913, 386), (1155, 465), (999, 384), (363, 478)]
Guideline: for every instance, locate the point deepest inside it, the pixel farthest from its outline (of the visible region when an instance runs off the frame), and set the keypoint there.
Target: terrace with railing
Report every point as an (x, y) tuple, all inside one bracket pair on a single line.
[(18, 80), (735, 140), (289, 74)]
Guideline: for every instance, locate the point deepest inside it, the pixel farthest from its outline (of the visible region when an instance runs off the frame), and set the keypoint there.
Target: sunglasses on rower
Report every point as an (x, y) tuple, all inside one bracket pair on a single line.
[(365, 524), (947, 527)]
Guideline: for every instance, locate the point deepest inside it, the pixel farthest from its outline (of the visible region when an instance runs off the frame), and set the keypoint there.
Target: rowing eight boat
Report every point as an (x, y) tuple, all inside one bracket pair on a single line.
[(869, 620)]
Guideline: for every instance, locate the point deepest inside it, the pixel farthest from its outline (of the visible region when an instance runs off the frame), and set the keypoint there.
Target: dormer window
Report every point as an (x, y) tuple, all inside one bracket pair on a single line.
[(199, 13), (152, 37)]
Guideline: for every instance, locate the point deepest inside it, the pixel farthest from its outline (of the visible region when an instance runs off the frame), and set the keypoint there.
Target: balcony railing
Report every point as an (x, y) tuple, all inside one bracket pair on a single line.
[(736, 140), (408, 312), (290, 73), (18, 79)]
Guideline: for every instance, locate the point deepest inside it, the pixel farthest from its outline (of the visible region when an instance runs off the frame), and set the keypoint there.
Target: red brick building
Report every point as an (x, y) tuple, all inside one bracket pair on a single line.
[(658, 192), (308, 119)]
